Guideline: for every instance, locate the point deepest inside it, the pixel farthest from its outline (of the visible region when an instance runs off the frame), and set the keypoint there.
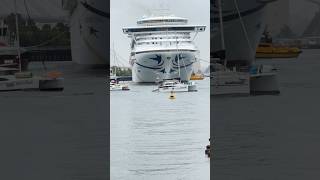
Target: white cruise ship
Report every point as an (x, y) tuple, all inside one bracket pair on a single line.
[(89, 30), (162, 47), (244, 22)]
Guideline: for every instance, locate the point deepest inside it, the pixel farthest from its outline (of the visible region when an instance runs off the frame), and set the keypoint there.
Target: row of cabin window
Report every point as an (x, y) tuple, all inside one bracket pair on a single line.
[(174, 37), (157, 43), (160, 21), (163, 33), (188, 37), (157, 29)]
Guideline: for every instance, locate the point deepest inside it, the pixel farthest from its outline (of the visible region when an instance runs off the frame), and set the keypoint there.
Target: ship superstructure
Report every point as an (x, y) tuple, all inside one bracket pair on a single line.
[(162, 47)]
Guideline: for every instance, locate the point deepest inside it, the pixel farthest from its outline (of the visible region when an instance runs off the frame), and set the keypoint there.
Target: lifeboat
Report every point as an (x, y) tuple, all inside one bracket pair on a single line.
[(196, 76)]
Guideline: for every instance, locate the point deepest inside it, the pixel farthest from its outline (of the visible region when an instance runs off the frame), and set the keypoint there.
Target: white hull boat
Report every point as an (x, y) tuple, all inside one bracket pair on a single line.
[(89, 30), (259, 81), (230, 83), (264, 81), (118, 87), (14, 83), (176, 86)]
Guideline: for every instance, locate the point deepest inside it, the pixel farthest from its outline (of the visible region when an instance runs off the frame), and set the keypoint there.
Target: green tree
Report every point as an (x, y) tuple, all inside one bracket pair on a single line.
[(31, 35)]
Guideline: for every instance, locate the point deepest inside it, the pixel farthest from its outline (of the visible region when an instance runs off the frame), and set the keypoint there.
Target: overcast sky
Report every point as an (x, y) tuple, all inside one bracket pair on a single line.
[(125, 13), (295, 13), (301, 12)]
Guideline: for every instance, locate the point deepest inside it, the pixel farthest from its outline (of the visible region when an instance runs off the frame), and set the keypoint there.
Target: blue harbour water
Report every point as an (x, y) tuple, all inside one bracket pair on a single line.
[(153, 137), (271, 137)]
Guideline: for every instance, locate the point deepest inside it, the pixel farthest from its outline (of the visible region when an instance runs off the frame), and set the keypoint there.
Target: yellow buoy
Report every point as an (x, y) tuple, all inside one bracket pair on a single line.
[(172, 95)]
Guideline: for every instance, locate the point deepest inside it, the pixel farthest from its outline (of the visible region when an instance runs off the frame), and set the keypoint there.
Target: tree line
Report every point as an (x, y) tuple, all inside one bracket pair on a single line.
[(121, 71), (31, 34)]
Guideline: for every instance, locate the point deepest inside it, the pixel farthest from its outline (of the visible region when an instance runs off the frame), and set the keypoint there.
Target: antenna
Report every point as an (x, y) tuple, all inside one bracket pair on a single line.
[(114, 59), (178, 58), (162, 8)]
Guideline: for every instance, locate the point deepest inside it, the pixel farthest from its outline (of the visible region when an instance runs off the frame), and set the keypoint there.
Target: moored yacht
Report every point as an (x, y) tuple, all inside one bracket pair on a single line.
[(9, 61), (174, 85)]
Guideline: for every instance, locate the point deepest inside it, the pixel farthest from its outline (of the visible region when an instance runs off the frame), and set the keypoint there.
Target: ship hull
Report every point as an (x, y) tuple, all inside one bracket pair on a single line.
[(89, 31), (150, 67), (241, 40)]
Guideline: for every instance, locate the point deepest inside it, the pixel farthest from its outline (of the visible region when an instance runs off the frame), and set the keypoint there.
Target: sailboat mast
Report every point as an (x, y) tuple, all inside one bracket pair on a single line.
[(222, 30), (114, 59), (17, 35), (178, 58)]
